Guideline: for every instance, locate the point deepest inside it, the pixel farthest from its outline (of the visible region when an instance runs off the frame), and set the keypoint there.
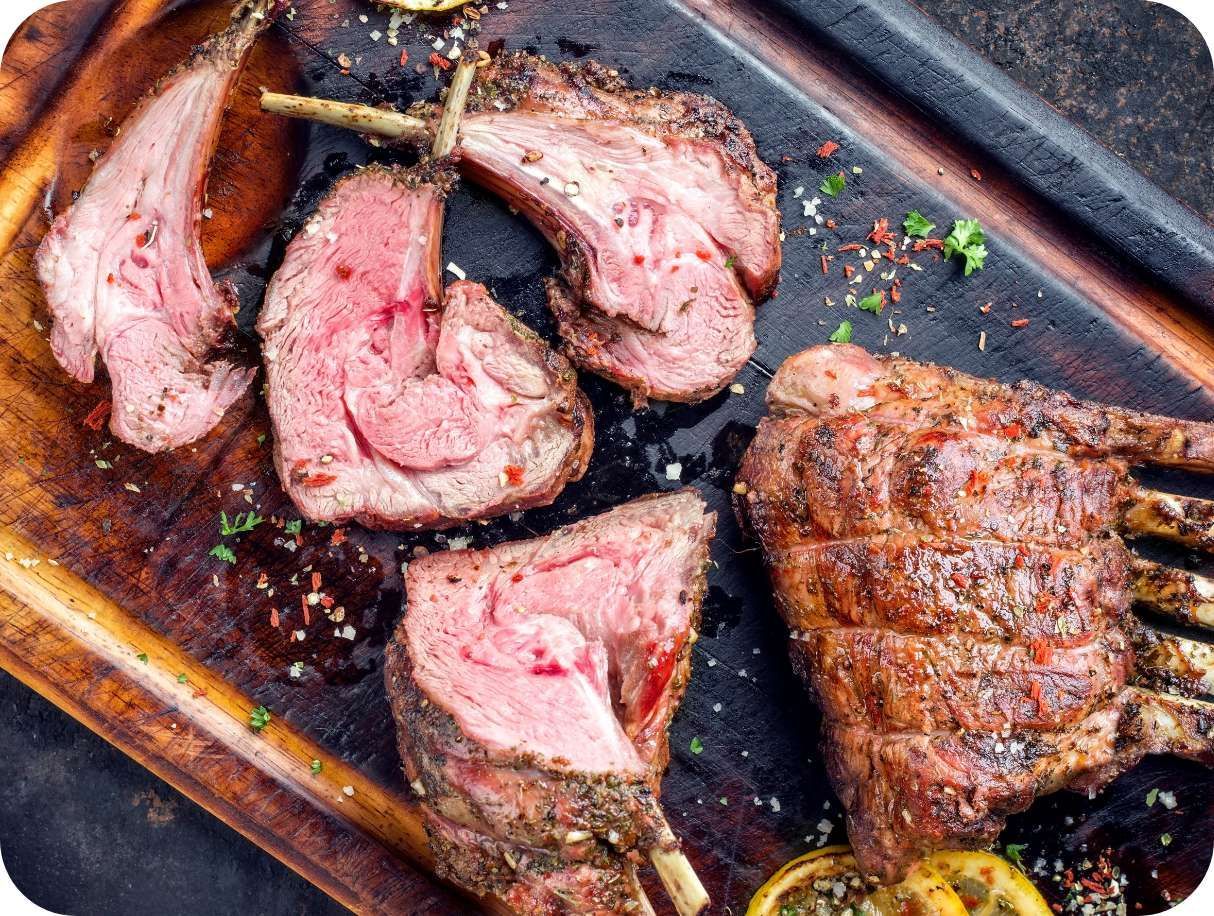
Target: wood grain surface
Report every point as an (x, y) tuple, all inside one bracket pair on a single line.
[(131, 533)]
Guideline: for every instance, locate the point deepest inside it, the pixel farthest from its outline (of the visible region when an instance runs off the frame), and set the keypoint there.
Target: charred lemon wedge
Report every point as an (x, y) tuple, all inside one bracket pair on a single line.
[(827, 883), (424, 6), (989, 885), (823, 881), (924, 892)]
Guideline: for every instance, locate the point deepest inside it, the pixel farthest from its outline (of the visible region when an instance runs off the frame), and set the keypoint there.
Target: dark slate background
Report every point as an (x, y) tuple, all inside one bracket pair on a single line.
[(85, 831)]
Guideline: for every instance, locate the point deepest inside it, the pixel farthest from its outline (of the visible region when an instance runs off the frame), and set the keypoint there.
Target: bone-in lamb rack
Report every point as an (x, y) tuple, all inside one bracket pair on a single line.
[(947, 553), (396, 404), (657, 202), (123, 268), (532, 685)]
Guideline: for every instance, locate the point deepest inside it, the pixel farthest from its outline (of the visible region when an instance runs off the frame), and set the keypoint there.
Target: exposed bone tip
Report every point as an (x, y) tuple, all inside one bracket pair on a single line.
[(680, 880)]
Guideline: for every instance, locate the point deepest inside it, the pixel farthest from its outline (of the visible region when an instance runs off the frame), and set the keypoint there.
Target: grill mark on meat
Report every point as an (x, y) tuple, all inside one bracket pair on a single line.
[(944, 550)]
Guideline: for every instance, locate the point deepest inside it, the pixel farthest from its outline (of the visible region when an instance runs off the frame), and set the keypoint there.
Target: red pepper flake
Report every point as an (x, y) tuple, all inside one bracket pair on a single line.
[(514, 475), (975, 174), (439, 61), (1013, 430), (316, 581), (303, 600), (960, 581), (327, 601), (828, 149), (404, 58), (1041, 651), (338, 537), (895, 293), (831, 224), (825, 265), (924, 244), (848, 271), (638, 259), (703, 255), (96, 417), (274, 617), (881, 234), (516, 578), (263, 580), (134, 215), (851, 246), (141, 240), (344, 272), (1021, 322), (318, 480), (109, 278)]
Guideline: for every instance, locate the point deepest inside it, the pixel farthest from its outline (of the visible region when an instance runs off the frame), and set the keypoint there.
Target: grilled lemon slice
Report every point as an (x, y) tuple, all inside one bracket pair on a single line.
[(822, 881), (424, 6), (924, 892), (827, 882), (988, 885)]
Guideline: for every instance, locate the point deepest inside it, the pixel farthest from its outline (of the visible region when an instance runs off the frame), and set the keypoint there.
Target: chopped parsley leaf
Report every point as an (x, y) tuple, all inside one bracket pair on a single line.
[(261, 438), (1152, 797), (842, 334), (259, 718), (317, 766), (224, 552), (294, 527), (1013, 852), (103, 464), (917, 225), (181, 678), (697, 746), (244, 521), (143, 657), (967, 240), (872, 303), (1166, 839), (730, 262), (832, 184)]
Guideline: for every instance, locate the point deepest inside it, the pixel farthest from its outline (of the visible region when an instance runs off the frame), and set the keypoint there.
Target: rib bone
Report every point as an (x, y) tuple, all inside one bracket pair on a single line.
[(453, 108), (678, 877), (1182, 519), (1185, 665), (362, 118), (1178, 594), (1171, 725)]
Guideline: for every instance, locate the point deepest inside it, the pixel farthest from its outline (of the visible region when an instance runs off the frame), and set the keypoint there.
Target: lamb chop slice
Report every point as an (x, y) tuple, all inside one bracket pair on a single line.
[(532, 686), (393, 403), (946, 551), (657, 202), (123, 268)]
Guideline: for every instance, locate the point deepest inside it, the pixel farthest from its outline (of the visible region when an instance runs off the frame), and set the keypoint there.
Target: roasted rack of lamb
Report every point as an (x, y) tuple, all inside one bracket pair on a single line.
[(123, 268), (657, 202), (947, 553), (397, 404), (532, 685)]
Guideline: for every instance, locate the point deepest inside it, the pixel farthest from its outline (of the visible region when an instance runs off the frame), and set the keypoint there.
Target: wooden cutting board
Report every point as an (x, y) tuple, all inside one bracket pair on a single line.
[(112, 608)]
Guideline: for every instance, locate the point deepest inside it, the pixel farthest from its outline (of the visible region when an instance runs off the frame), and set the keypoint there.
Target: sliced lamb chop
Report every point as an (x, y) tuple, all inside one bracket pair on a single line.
[(946, 552), (123, 267), (658, 203), (393, 403), (532, 685)]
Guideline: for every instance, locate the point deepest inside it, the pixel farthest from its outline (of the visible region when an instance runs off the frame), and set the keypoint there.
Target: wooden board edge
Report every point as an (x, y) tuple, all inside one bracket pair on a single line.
[(361, 844), (960, 89)]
